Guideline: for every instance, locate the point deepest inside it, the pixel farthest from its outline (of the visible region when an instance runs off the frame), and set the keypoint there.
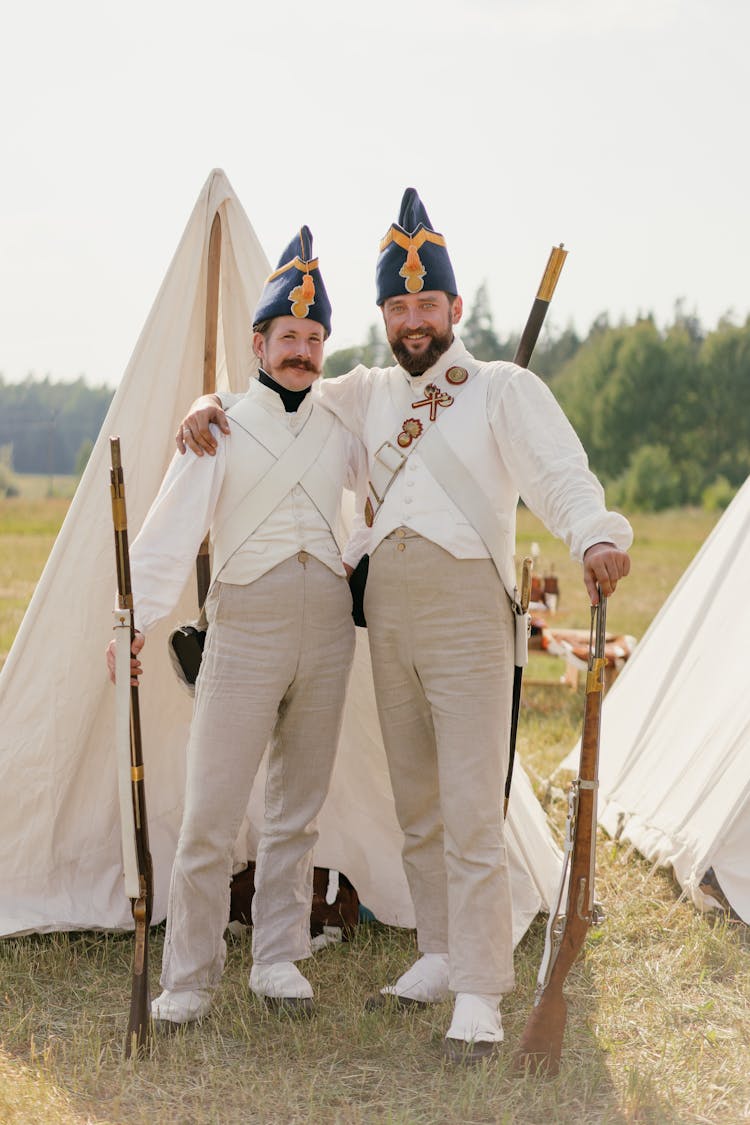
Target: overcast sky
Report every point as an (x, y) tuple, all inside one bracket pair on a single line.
[(616, 126)]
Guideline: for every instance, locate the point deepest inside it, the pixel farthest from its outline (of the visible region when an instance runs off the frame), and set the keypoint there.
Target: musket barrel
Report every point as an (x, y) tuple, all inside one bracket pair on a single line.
[(524, 351), (544, 295)]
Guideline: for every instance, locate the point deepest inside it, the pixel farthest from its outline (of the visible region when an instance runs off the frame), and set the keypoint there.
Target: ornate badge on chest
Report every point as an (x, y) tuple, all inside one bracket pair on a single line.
[(410, 430), (456, 376), (434, 397)]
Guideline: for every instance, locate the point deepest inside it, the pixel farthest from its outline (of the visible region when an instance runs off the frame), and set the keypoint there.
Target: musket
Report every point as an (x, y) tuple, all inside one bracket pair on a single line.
[(544, 295), (524, 351), (139, 881), (540, 1048)]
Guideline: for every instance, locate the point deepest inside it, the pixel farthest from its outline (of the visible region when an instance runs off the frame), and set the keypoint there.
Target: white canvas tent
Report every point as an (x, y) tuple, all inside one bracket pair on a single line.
[(61, 858), (675, 748)]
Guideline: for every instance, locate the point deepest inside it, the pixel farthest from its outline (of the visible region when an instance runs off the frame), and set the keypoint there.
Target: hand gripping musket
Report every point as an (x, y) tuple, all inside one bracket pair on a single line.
[(524, 351), (134, 824), (541, 1043)]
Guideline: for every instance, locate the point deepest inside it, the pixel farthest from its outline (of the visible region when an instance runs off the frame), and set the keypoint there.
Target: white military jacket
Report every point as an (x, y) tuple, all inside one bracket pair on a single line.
[(200, 493), (506, 428)]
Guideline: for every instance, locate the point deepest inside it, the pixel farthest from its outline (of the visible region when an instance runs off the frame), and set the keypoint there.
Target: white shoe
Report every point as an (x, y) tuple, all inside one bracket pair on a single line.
[(181, 1007), (476, 1029), (282, 987), (426, 982)]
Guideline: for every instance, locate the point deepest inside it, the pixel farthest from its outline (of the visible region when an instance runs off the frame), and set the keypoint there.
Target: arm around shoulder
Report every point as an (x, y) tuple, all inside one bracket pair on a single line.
[(193, 432)]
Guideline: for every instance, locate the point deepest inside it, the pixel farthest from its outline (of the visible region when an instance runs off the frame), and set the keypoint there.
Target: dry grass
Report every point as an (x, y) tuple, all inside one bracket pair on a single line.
[(27, 531), (658, 1028)]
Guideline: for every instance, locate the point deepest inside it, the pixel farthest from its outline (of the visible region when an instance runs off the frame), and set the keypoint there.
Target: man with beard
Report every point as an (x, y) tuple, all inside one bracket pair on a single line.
[(278, 649), (451, 443)]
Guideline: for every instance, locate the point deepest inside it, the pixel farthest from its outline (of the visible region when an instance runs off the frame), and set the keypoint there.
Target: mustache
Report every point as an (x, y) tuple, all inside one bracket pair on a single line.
[(305, 364)]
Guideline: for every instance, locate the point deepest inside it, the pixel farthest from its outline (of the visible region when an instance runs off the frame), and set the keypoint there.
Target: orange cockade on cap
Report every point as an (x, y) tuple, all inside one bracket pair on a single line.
[(302, 296), (413, 270)]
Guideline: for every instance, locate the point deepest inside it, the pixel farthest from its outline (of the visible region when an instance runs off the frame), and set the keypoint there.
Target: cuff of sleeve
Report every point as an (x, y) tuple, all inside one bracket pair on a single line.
[(613, 529)]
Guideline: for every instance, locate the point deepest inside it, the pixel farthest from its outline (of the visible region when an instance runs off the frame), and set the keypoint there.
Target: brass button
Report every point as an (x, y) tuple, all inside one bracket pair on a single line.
[(401, 546), (303, 557), (400, 532)]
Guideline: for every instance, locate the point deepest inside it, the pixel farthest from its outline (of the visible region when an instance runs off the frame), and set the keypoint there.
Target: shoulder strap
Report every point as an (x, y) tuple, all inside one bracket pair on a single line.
[(261, 425)]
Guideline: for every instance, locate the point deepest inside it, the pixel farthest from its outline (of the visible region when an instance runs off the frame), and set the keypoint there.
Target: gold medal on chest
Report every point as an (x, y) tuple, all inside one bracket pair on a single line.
[(456, 376)]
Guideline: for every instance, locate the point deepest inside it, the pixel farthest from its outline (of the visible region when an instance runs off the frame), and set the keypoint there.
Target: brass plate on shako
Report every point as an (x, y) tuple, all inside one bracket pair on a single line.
[(456, 376)]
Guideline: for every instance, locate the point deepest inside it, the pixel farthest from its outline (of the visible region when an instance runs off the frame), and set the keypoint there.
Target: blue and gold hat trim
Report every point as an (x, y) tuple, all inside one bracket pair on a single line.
[(300, 296), (296, 288), (413, 270), (412, 255)]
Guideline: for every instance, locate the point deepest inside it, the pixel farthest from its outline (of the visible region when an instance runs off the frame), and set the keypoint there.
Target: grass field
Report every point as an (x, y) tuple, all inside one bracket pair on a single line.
[(659, 1004)]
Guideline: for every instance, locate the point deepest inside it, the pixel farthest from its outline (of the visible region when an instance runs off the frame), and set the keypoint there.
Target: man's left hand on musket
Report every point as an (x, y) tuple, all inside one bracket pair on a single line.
[(135, 665), (194, 434), (604, 565)]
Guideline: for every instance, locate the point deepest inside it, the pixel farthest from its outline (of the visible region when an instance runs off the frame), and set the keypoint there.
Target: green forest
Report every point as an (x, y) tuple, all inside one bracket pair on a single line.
[(664, 413), (49, 427)]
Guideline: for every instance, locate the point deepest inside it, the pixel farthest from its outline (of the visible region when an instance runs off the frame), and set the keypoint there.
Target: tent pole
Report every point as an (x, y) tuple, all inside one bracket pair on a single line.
[(203, 562)]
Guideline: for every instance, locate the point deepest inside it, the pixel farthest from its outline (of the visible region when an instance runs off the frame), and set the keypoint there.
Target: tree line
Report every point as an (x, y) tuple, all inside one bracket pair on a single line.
[(663, 413), (50, 427)]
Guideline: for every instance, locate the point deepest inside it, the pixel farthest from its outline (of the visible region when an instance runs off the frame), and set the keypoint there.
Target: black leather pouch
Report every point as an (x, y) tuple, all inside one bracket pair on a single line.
[(357, 583)]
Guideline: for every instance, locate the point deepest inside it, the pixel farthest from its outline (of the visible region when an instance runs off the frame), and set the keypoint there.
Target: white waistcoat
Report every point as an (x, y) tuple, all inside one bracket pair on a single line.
[(416, 499), (257, 440)]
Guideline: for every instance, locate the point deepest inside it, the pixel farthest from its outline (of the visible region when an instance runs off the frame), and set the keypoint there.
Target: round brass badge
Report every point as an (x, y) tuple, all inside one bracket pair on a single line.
[(456, 375)]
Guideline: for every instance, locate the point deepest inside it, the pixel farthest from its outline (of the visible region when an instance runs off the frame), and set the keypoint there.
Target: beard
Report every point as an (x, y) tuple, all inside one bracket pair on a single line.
[(417, 364)]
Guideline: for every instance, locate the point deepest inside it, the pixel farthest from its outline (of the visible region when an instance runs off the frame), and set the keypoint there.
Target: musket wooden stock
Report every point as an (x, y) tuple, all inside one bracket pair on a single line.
[(138, 1038), (540, 1048)]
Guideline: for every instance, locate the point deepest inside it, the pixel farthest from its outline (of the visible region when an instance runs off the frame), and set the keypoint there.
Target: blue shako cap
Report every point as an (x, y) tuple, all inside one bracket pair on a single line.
[(412, 255), (295, 288)]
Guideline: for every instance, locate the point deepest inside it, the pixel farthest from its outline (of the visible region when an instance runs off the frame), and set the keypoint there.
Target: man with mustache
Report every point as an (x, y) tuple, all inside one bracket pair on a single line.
[(451, 443), (278, 649)]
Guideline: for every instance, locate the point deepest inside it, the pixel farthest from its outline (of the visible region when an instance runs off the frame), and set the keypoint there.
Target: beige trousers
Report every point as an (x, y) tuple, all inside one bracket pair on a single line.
[(274, 671), (441, 640)]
